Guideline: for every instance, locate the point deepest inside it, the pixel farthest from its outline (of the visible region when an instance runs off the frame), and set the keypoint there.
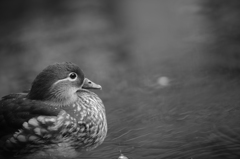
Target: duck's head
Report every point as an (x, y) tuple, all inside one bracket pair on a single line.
[(58, 84)]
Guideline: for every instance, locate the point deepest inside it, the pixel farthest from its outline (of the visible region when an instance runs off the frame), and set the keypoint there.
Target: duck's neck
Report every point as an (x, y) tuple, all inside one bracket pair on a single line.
[(62, 100), (58, 98)]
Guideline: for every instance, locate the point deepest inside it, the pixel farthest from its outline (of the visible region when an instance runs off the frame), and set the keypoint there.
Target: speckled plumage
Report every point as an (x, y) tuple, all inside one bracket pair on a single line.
[(30, 123)]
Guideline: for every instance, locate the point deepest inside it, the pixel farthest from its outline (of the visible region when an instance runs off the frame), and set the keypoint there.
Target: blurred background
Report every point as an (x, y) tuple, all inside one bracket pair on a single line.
[(170, 69)]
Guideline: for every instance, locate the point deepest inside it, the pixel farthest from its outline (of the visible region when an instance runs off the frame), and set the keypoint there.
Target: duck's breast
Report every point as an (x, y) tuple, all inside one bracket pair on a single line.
[(90, 116)]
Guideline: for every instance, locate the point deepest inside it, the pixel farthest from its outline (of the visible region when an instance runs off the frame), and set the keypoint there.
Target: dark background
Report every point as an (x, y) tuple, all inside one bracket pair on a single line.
[(170, 69)]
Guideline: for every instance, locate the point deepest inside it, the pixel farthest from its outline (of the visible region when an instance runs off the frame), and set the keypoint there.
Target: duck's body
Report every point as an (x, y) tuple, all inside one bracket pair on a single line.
[(69, 117)]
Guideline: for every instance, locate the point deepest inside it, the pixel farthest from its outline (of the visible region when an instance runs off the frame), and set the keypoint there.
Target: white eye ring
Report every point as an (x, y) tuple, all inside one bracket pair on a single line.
[(72, 76)]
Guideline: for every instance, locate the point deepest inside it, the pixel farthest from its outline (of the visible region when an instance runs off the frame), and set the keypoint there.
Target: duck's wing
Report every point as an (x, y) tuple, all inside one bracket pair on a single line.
[(15, 109), (21, 118)]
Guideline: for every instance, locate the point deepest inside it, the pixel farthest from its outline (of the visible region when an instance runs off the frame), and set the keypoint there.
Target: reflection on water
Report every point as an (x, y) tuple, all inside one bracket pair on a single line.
[(195, 115)]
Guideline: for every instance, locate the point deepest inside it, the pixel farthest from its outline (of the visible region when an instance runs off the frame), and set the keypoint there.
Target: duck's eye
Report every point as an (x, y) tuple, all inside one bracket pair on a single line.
[(72, 75)]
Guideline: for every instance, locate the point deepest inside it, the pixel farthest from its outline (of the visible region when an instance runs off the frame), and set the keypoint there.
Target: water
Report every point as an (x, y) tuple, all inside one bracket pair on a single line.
[(194, 116)]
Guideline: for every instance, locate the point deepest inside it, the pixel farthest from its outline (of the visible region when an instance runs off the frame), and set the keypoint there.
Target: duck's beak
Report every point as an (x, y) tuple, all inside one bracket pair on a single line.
[(88, 84)]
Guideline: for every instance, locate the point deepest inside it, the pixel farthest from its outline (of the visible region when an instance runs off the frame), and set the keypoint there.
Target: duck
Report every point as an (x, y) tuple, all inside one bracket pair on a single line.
[(59, 114)]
